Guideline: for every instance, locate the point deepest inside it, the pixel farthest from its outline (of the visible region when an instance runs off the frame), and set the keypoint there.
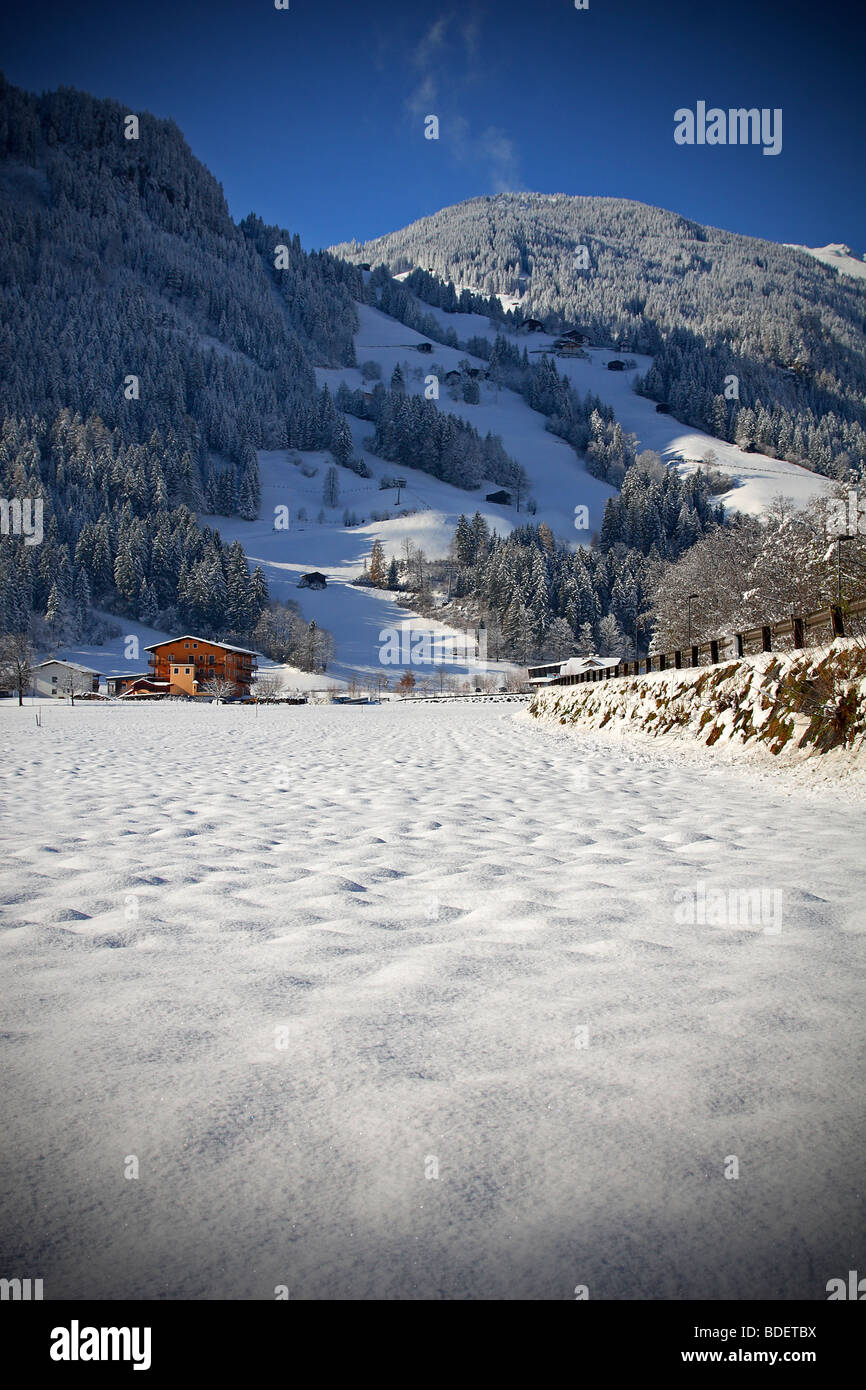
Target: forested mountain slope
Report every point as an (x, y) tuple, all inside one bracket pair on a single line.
[(129, 298), (708, 304)]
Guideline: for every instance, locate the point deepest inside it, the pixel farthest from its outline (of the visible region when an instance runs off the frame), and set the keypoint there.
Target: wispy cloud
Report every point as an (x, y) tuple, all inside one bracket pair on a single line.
[(432, 43), (445, 59), (491, 150)]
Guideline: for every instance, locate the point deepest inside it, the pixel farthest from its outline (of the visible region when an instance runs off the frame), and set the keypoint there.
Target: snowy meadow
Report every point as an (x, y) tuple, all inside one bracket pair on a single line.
[(408, 1002)]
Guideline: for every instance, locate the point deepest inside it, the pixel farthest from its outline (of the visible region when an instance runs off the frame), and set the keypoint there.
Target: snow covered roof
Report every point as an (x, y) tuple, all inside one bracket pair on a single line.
[(73, 665), (191, 637), (573, 666), (576, 664)]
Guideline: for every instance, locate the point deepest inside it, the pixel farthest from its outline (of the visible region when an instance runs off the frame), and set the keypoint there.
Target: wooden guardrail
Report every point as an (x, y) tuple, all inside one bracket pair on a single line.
[(800, 630)]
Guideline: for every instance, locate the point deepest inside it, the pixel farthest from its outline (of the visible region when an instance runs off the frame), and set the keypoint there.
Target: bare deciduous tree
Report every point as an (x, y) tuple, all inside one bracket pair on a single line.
[(219, 688), (73, 682), (267, 687), (16, 664)]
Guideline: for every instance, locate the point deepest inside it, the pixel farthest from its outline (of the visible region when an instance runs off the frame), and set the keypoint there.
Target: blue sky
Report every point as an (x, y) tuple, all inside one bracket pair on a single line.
[(314, 117)]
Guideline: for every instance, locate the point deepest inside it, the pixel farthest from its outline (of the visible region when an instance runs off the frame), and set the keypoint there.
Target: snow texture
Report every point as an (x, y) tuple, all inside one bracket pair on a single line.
[(467, 930)]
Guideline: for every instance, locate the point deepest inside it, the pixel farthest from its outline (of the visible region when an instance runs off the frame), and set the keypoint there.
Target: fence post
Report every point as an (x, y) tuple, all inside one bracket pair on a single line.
[(838, 622), (799, 636), (678, 660), (741, 645), (663, 661), (714, 651), (767, 639), (696, 657)]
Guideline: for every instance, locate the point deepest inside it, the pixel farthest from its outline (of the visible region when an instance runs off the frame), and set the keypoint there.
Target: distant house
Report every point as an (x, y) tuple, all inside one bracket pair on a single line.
[(533, 325), (363, 265), (502, 497), (116, 685), (425, 347), (476, 373), (183, 666), (568, 347), (616, 365), (575, 335), (313, 580), (552, 671), (61, 678), (452, 377), (145, 688), (663, 408)]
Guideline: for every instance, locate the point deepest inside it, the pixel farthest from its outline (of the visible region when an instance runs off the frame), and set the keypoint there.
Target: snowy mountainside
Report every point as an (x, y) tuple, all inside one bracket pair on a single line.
[(837, 255), (706, 303), (559, 480)]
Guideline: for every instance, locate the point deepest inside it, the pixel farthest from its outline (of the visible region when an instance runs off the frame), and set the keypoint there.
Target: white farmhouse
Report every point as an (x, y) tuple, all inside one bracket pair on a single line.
[(63, 679)]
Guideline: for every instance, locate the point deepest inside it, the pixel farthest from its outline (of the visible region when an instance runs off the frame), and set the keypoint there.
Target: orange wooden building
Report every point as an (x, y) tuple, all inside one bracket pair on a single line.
[(187, 663)]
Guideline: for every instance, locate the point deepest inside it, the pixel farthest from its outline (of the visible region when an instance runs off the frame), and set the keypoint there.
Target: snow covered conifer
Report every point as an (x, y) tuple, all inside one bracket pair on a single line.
[(331, 488)]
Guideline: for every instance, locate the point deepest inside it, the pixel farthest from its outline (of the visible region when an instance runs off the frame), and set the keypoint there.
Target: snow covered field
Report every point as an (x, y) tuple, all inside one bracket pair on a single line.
[(406, 1002)]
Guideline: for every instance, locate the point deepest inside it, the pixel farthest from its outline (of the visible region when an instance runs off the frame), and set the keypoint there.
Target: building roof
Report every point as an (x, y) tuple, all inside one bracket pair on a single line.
[(191, 637), (146, 683), (572, 666), (73, 665)]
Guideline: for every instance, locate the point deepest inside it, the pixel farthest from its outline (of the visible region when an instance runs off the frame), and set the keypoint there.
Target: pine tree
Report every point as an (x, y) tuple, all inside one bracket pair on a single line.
[(148, 608), (331, 488), (611, 637), (249, 492), (342, 444), (559, 644), (377, 565), (464, 543)]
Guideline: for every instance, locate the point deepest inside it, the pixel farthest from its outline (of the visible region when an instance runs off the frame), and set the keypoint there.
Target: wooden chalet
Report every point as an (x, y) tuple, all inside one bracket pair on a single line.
[(315, 579), (118, 685), (185, 664)]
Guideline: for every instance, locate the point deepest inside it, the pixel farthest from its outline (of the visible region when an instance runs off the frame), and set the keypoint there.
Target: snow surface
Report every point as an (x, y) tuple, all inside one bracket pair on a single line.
[(432, 901), (836, 254)]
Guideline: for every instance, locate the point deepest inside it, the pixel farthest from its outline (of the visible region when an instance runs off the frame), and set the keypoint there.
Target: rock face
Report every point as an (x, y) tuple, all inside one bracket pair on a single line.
[(791, 704)]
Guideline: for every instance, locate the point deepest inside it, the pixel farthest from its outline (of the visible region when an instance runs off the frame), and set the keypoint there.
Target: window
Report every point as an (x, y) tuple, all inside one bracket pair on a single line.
[(186, 646), (186, 670)]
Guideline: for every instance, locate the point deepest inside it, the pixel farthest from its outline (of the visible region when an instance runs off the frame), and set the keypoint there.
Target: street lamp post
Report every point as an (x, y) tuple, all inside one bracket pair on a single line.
[(637, 624), (689, 602), (839, 540)]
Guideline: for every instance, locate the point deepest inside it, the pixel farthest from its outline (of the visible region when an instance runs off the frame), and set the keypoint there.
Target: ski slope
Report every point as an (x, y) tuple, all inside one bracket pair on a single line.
[(429, 509), (758, 478)]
